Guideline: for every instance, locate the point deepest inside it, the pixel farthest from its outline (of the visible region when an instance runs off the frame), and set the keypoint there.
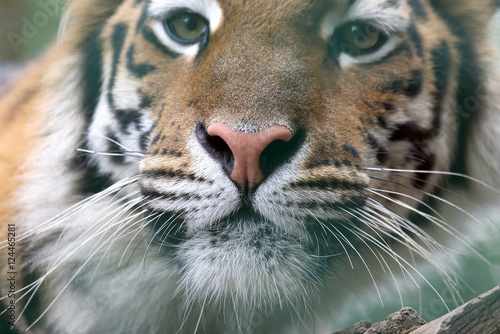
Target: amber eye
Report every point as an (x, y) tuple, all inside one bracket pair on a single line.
[(358, 38), (187, 28), (362, 37)]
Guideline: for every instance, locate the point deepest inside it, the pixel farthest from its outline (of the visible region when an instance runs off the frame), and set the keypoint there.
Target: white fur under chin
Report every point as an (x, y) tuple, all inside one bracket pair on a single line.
[(247, 267), (140, 290)]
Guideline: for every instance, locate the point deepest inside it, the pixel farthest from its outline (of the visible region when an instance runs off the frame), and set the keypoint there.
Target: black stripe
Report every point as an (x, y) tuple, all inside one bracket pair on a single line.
[(127, 117), (174, 174), (146, 100), (351, 150), (418, 9), (172, 153), (157, 138), (151, 38), (113, 147), (441, 60), (381, 153), (414, 84), (118, 43), (138, 70), (391, 3), (324, 163), (416, 39), (144, 15), (91, 49), (427, 162), (410, 87), (170, 196), (410, 132), (145, 139), (419, 139), (92, 180), (469, 81), (328, 185)]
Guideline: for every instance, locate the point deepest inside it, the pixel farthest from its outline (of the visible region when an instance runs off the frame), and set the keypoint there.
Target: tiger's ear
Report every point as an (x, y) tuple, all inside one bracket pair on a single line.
[(474, 15)]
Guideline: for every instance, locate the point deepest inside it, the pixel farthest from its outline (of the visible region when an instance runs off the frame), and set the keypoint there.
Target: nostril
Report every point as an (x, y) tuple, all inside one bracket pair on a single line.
[(248, 157), (216, 147), (280, 151)]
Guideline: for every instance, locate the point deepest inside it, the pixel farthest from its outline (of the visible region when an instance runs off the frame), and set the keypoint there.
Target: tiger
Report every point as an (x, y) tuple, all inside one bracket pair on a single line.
[(230, 166)]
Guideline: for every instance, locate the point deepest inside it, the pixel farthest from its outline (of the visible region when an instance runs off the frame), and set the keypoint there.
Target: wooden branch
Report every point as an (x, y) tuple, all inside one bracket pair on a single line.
[(481, 315)]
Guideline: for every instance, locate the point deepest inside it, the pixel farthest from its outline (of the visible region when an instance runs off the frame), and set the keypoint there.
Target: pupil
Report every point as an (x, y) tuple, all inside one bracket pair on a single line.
[(371, 30), (190, 23), (359, 35), (364, 38)]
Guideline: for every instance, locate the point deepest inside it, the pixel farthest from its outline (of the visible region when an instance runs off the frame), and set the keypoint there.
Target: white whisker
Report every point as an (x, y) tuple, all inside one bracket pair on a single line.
[(324, 227), (433, 172), (442, 224), (74, 209), (112, 141), (390, 252), (113, 154)]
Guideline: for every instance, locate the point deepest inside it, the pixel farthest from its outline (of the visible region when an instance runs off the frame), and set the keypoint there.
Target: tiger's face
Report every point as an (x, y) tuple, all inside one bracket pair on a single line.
[(266, 134), (241, 158)]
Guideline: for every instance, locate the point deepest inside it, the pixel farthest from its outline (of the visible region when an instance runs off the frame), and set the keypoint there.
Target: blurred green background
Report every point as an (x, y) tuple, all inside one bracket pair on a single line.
[(26, 27)]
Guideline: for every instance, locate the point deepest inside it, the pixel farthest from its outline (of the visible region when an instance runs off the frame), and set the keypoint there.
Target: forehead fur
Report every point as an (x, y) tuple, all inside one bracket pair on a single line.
[(84, 15)]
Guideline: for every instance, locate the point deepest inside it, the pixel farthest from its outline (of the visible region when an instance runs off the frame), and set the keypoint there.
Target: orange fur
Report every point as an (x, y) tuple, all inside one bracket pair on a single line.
[(18, 134), (19, 131)]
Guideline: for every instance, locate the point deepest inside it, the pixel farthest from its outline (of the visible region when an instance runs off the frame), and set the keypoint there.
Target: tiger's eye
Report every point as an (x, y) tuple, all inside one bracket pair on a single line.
[(361, 36), (356, 39), (188, 28)]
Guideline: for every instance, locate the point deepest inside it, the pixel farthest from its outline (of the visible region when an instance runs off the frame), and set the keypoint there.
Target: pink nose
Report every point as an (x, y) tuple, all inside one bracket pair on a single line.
[(247, 149)]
